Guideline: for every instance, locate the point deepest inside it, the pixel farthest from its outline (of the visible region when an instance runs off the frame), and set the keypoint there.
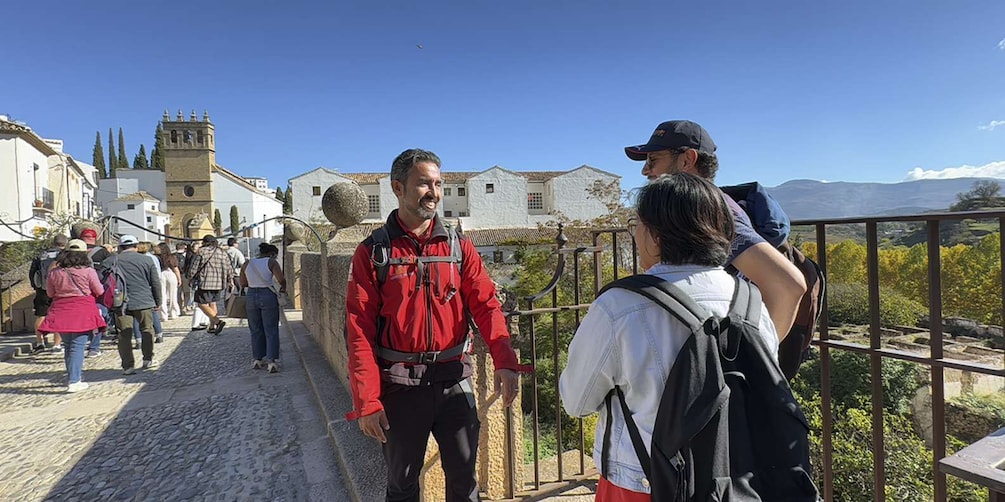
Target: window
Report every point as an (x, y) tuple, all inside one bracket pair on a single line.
[(446, 191), (315, 190), (189, 190), (198, 136), (448, 214), (535, 201), (490, 188), (373, 204), (149, 219), (153, 207), (497, 256), (174, 135), (130, 206), (462, 214), (460, 191)]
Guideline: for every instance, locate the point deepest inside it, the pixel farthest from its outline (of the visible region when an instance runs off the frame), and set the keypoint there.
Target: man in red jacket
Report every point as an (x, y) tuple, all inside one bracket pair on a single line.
[(408, 336)]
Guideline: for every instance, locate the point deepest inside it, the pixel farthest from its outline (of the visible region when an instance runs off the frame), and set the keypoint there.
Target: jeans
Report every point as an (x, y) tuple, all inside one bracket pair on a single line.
[(74, 345), (157, 326), (94, 345), (263, 320)]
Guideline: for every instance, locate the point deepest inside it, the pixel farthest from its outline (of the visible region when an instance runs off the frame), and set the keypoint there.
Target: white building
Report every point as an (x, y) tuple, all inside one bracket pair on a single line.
[(142, 208), (260, 183), (493, 198), (40, 182), (308, 189)]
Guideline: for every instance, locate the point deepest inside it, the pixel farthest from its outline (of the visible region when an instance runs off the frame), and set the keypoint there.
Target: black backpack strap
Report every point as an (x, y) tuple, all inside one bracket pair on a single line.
[(680, 305)]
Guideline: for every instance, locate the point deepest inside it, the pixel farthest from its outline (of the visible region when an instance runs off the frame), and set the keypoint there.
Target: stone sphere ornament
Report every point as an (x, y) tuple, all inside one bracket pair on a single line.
[(294, 231), (344, 204)]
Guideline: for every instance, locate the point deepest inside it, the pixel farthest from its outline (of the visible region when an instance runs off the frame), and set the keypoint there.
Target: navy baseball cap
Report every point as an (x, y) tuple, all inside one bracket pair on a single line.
[(673, 134)]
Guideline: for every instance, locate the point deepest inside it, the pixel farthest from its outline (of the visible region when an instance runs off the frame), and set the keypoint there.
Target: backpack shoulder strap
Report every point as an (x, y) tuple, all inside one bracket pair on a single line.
[(380, 252), (680, 305)]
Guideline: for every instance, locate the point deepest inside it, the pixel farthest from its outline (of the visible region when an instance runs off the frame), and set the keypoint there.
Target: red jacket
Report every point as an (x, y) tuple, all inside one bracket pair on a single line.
[(421, 315)]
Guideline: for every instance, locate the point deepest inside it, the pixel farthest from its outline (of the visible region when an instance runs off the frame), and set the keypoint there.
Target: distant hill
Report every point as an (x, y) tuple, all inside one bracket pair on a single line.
[(809, 199)]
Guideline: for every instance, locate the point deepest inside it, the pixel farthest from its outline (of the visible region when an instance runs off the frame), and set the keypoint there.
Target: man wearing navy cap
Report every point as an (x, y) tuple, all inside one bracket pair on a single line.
[(682, 146)]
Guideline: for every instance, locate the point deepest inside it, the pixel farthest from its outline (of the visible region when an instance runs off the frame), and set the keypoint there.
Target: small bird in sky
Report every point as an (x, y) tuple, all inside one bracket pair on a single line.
[(418, 46)]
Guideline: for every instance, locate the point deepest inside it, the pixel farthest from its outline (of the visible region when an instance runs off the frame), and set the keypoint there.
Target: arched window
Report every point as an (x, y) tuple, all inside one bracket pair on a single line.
[(174, 136), (198, 136)]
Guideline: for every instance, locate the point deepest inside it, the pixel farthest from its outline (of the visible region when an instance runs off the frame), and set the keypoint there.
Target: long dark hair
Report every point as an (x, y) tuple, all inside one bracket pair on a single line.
[(69, 259), (689, 218)]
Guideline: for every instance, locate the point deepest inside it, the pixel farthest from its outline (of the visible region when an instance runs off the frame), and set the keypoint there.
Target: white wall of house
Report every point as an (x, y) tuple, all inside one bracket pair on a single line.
[(252, 205), (141, 212), (572, 189), (506, 206), (307, 205), (453, 203), (23, 171)]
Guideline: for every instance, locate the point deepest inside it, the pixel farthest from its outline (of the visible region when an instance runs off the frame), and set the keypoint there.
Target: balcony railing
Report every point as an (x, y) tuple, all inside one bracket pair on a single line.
[(613, 250)]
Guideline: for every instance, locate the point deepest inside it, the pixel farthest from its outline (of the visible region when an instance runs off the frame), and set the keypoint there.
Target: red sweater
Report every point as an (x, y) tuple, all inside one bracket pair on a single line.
[(422, 313)]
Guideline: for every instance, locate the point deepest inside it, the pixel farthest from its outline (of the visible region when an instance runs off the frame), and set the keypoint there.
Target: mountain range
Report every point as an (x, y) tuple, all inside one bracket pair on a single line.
[(810, 199)]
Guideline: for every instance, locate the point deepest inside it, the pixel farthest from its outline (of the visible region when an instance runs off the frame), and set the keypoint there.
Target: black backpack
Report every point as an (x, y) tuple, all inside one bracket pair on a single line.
[(728, 427), (40, 268), (771, 223)]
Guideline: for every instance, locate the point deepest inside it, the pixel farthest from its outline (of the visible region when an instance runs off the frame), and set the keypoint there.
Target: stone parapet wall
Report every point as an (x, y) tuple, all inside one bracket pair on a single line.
[(323, 305)]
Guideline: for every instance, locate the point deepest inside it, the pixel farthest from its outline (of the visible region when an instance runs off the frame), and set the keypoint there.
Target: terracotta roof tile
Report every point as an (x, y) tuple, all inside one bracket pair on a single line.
[(364, 178), (137, 196)]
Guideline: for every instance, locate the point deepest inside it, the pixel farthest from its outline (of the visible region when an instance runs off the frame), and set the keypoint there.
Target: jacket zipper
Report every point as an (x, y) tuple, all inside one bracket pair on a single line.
[(423, 270)]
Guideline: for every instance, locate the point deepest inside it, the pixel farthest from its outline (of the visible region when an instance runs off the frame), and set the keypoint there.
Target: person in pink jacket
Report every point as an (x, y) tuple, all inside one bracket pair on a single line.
[(73, 285)]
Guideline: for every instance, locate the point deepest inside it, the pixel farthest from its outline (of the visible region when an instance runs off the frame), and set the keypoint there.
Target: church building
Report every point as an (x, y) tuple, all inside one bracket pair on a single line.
[(182, 198)]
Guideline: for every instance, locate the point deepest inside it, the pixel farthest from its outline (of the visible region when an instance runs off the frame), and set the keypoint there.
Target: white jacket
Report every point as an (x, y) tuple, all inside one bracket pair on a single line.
[(627, 340)]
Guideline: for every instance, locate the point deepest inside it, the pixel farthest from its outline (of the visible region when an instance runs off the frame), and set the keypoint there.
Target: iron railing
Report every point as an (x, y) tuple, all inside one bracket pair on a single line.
[(617, 246)]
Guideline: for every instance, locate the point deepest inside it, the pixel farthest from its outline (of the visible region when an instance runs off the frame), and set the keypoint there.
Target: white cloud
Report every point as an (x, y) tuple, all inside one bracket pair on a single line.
[(1001, 44), (991, 125), (991, 170)]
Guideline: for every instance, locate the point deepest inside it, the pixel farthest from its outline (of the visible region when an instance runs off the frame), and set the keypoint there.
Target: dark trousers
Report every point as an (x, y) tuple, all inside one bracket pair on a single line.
[(145, 318), (447, 410)]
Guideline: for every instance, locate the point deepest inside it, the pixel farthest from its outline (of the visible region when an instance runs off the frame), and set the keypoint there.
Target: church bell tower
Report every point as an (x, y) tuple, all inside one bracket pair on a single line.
[(189, 157)]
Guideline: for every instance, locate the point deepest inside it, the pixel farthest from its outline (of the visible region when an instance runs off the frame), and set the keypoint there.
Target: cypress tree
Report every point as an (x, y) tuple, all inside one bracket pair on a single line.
[(140, 160), (157, 155), (288, 203), (279, 195), (217, 221), (113, 163), (98, 156), (235, 219), (123, 161)]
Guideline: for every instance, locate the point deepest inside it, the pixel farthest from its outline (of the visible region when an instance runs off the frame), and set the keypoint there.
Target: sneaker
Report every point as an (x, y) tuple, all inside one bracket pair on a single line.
[(57, 348), (136, 345), (92, 353), (151, 364), (129, 371), (273, 367), (159, 338), (77, 386), (219, 327), (258, 364), (38, 347)]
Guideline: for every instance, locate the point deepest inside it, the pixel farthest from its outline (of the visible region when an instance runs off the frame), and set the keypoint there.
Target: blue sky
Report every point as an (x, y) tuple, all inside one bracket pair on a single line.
[(839, 91)]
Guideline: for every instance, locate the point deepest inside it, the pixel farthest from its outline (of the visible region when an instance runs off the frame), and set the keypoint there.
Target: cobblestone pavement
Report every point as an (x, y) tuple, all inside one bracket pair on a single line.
[(203, 426)]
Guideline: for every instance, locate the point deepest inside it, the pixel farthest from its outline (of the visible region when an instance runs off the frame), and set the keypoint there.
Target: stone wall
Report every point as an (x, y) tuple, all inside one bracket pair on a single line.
[(17, 310), (323, 306)]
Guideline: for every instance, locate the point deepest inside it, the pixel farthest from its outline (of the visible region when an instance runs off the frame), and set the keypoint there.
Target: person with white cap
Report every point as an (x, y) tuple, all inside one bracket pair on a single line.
[(143, 295)]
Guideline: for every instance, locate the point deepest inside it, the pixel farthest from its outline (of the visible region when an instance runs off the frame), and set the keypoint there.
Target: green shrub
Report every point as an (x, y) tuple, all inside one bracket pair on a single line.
[(851, 382), (849, 304)]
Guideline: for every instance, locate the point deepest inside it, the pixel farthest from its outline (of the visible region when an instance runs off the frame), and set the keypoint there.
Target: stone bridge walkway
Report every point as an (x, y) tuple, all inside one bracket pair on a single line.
[(204, 426)]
